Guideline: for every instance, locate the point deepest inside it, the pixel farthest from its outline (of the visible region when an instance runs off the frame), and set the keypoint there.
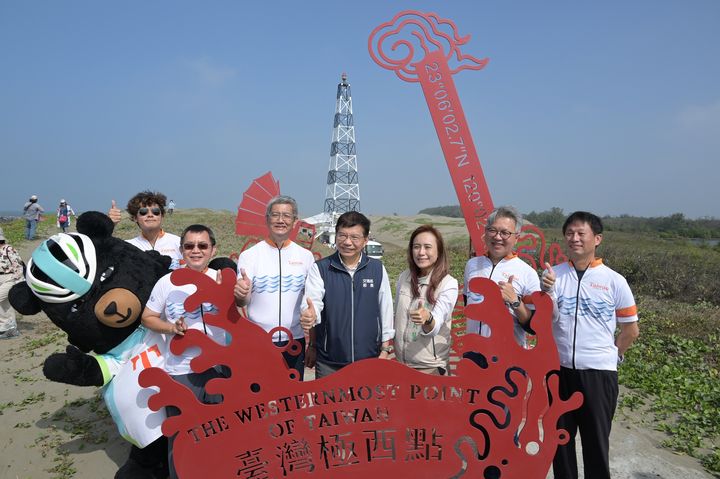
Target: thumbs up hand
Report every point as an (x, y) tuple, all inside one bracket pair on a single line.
[(508, 292), (242, 289), (179, 326), (308, 317), (548, 278), (114, 213)]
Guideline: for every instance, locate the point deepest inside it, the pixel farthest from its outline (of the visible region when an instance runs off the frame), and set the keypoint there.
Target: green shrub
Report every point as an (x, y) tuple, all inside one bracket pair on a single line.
[(674, 365)]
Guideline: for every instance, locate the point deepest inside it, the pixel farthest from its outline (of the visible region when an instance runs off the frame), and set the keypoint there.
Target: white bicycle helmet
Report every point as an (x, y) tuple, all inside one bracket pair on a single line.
[(62, 268)]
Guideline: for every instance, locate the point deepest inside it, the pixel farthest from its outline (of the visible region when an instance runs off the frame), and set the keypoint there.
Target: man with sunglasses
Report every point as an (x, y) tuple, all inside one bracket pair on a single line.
[(271, 279), (147, 209), (515, 278), (348, 301), (165, 314)]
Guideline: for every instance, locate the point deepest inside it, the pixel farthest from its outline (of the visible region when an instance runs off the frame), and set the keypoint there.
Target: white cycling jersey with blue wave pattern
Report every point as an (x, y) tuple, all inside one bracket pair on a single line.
[(586, 315), (525, 282), (278, 283), (169, 300), (285, 283)]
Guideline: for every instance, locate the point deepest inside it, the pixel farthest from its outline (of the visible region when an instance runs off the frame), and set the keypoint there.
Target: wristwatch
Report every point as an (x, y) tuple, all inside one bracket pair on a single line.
[(387, 349), (515, 304), (429, 320)]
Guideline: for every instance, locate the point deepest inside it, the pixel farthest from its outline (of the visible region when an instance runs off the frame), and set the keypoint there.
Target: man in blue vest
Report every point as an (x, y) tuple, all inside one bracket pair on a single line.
[(348, 309)]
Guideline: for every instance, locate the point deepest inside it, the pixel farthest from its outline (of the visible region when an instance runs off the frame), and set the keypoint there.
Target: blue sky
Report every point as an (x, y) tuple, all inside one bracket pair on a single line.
[(609, 106)]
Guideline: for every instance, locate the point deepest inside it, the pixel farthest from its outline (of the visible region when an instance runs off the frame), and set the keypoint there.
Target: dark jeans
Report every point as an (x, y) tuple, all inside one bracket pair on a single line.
[(594, 419), (294, 362)]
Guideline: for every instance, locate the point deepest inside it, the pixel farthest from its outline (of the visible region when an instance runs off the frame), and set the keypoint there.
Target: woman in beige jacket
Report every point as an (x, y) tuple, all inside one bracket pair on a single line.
[(425, 297)]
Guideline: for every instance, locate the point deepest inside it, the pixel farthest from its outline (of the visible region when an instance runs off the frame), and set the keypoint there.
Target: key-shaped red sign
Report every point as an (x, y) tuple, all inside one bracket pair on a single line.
[(421, 47)]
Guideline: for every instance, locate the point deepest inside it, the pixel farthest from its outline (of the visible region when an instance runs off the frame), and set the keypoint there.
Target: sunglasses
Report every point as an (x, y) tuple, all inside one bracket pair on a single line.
[(155, 210), (191, 246)]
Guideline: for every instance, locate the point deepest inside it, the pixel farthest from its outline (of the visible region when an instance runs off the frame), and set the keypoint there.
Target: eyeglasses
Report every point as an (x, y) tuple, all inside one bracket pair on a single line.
[(285, 216), (340, 237), (192, 246), (504, 234), (155, 210)]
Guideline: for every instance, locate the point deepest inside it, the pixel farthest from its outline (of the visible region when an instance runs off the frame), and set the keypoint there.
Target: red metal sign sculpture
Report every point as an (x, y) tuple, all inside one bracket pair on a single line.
[(374, 417), (250, 220), (419, 48), (531, 244)]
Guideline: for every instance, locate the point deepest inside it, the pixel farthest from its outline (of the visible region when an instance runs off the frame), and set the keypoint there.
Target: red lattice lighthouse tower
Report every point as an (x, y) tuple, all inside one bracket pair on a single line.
[(342, 193)]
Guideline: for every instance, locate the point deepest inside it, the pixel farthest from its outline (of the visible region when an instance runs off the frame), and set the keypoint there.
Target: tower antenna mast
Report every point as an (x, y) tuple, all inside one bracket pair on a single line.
[(342, 193)]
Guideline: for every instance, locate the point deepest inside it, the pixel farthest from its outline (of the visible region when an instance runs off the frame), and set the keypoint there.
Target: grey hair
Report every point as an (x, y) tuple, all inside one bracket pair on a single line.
[(282, 200), (506, 212)]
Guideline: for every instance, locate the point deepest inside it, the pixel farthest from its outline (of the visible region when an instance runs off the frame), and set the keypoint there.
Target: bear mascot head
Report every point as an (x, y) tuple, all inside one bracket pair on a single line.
[(94, 287), (91, 285)]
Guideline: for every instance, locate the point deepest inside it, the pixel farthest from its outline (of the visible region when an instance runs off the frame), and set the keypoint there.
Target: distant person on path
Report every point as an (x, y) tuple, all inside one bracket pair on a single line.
[(514, 276), (171, 207), (590, 301), (32, 212), (271, 279), (11, 272), (64, 212), (147, 209), (425, 297), (348, 300), (165, 314)]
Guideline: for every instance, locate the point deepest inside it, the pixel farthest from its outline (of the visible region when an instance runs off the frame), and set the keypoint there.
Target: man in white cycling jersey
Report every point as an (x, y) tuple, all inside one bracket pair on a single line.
[(590, 301), (501, 264), (271, 280)]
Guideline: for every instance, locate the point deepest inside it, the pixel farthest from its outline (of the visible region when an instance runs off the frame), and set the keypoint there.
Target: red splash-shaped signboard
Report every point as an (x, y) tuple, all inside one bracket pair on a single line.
[(251, 222), (373, 418)]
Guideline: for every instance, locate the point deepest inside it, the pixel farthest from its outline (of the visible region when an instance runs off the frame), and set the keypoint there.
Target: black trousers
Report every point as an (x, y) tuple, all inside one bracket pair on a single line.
[(594, 419), (295, 362)]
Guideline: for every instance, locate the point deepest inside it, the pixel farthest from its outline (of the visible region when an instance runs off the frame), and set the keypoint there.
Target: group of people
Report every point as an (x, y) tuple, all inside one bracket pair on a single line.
[(343, 305), (33, 211)]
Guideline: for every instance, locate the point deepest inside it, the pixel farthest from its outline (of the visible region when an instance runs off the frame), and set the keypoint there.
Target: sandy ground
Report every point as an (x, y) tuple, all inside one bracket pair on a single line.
[(51, 430)]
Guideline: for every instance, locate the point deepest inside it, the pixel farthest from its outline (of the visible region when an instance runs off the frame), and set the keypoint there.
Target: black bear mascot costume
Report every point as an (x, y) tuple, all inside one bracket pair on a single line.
[(94, 287)]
